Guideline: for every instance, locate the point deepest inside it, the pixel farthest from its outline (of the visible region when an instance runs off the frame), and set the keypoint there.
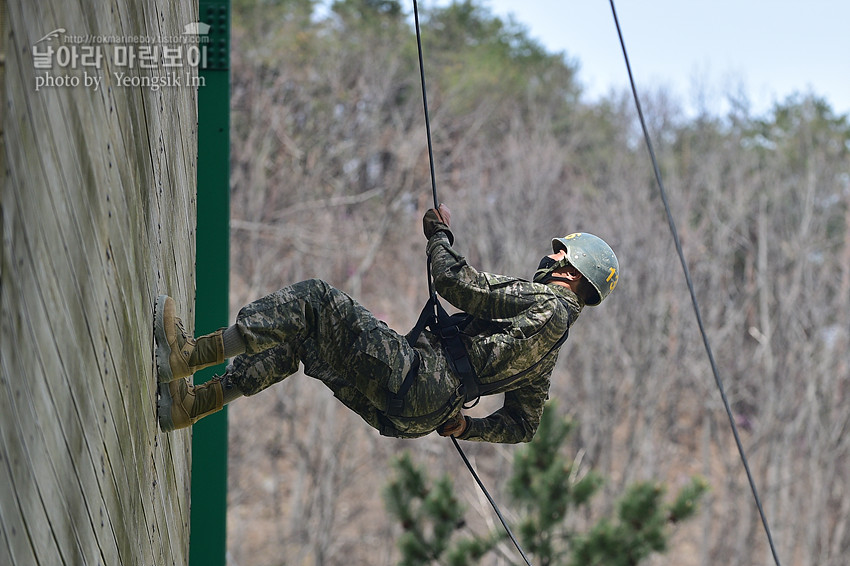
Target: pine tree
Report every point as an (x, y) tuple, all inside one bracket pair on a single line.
[(546, 487), (430, 515)]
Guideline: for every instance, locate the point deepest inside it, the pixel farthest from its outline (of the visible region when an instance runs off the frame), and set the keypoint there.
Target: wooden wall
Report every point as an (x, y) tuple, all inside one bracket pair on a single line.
[(98, 218)]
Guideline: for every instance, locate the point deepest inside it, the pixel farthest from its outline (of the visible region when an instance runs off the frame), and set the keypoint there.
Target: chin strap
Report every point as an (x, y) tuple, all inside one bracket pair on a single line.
[(546, 267)]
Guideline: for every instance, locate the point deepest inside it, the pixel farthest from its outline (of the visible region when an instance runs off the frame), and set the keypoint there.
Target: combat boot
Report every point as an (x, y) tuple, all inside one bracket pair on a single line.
[(178, 355), (182, 404)]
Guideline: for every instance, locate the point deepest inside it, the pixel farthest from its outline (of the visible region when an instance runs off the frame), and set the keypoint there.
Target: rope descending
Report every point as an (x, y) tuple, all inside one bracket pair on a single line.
[(431, 289), (690, 283), (425, 105)]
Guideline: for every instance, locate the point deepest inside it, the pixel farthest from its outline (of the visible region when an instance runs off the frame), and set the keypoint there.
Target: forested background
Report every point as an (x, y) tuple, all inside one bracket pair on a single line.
[(330, 179)]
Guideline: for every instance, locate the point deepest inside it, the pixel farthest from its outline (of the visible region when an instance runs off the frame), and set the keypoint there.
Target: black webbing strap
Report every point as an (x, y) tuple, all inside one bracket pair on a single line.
[(448, 328), (426, 319), (395, 401)]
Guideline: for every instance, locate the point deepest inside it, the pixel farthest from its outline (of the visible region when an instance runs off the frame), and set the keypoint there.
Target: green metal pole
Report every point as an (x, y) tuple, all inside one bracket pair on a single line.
[(208, 537)]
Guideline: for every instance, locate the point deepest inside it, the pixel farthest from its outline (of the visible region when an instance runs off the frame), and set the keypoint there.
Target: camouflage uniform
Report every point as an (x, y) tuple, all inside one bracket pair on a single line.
[(516, 323)]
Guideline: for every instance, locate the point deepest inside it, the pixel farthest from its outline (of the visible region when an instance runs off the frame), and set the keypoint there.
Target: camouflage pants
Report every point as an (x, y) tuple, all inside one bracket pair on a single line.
[(342, 344)]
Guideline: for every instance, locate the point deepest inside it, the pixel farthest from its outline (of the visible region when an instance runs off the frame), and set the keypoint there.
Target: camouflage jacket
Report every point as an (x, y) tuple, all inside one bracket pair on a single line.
[(516, 324)]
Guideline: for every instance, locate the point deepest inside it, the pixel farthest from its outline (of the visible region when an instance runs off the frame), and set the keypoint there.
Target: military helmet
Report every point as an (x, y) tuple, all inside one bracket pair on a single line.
[(594, 259)]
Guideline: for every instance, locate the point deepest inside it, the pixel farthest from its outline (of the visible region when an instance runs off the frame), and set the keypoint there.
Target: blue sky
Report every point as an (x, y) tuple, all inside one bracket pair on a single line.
[(767, 49)]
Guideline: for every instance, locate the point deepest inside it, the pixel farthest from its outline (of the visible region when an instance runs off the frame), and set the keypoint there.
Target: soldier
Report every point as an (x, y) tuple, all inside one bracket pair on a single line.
[(510, 338)]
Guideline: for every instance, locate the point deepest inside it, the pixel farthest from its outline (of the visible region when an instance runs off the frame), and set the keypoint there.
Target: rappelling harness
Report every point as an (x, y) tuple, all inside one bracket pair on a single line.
[(448, 328)]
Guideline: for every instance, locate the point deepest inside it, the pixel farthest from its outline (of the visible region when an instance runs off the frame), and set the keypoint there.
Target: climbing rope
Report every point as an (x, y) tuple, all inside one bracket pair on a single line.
[(431, 289), (490, 499), (690, 283), (425, 107)]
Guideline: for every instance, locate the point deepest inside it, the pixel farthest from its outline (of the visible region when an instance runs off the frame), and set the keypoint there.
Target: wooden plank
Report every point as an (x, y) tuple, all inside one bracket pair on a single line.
[(18, 542), (41, 490), (6, 556), (102, 191), (27, 492), (42, 237), (54, 442), (85, 225)]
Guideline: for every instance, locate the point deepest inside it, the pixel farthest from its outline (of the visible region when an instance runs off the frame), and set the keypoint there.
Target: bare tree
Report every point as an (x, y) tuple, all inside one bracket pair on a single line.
[(330, 178)]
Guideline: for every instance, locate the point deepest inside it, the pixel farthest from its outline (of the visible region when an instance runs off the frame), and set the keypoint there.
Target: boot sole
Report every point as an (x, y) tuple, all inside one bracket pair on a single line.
[(163, 408), (162, 350)]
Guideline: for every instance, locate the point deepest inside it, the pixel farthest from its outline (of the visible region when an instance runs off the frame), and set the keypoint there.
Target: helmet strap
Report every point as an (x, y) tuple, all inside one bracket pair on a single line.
[(546, 267)]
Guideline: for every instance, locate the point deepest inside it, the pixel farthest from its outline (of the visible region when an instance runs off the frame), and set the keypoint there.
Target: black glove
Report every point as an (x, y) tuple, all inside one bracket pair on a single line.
[(437, 220)]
